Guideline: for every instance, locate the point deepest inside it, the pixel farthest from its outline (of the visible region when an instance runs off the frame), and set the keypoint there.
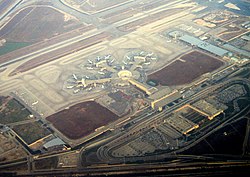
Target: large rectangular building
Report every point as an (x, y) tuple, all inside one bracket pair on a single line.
[(159, 103), (203, 45), (207, 109), (181, 124), (148, 90)]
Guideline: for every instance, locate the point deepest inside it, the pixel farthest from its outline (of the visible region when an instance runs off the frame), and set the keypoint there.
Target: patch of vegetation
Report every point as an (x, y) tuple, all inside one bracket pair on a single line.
[(12, 111), (31, 132), (47, 163)]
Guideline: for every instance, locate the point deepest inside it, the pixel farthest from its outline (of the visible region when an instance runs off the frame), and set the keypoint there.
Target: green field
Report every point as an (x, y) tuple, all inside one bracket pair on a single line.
[(31, 132), (11, 46), (12, 111)]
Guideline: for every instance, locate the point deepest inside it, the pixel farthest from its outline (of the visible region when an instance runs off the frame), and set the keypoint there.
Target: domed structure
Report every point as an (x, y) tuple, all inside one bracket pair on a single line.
[(125, 74)]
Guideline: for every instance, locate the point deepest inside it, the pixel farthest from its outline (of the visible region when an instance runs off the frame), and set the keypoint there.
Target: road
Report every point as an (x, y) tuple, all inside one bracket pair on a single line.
[(177, 168)]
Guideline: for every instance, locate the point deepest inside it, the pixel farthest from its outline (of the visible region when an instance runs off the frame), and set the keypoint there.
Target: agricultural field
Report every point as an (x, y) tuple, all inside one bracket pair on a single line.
[(31, 132), (81, 119), (12, 111), (186, 69)]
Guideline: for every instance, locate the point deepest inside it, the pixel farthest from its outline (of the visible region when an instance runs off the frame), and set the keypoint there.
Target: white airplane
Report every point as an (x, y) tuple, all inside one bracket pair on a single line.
[(70, 86), (74, 76), (107, 57), (102, 73), (196, 31), (83, 82), (76, 91), (89, 89), (103, 69), (98, 58), (189, 28), (128, 57), (150, 54), (34, 103), (90, 61)]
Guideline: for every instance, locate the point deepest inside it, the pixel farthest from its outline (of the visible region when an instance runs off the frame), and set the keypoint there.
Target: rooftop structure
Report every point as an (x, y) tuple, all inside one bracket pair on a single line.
[(207, 109), (235, 49), (148, 90), (165, 99), (246, 37), (54, 142), (204, 45), (181, 124), (161, 93)]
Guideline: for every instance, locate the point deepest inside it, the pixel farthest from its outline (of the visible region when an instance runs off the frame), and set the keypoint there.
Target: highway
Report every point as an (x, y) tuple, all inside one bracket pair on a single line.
[(168, 169)]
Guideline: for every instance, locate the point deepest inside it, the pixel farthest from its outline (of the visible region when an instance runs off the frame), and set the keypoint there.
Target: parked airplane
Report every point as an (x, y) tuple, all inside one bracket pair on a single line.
[(150, 54), (74, 76), (76, 91), (70, 86), (148, 63), (107, 56), (102, 73), (34, 103), (98, 58)]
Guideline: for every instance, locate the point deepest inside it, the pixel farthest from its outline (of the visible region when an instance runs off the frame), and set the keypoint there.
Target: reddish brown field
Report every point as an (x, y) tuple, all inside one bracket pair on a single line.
[(187, 69), (35, 24), (81, 119)]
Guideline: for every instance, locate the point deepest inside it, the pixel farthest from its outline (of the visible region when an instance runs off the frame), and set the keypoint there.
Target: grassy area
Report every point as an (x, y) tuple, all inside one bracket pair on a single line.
[(11, 46), (31, 132), (12, 111)]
